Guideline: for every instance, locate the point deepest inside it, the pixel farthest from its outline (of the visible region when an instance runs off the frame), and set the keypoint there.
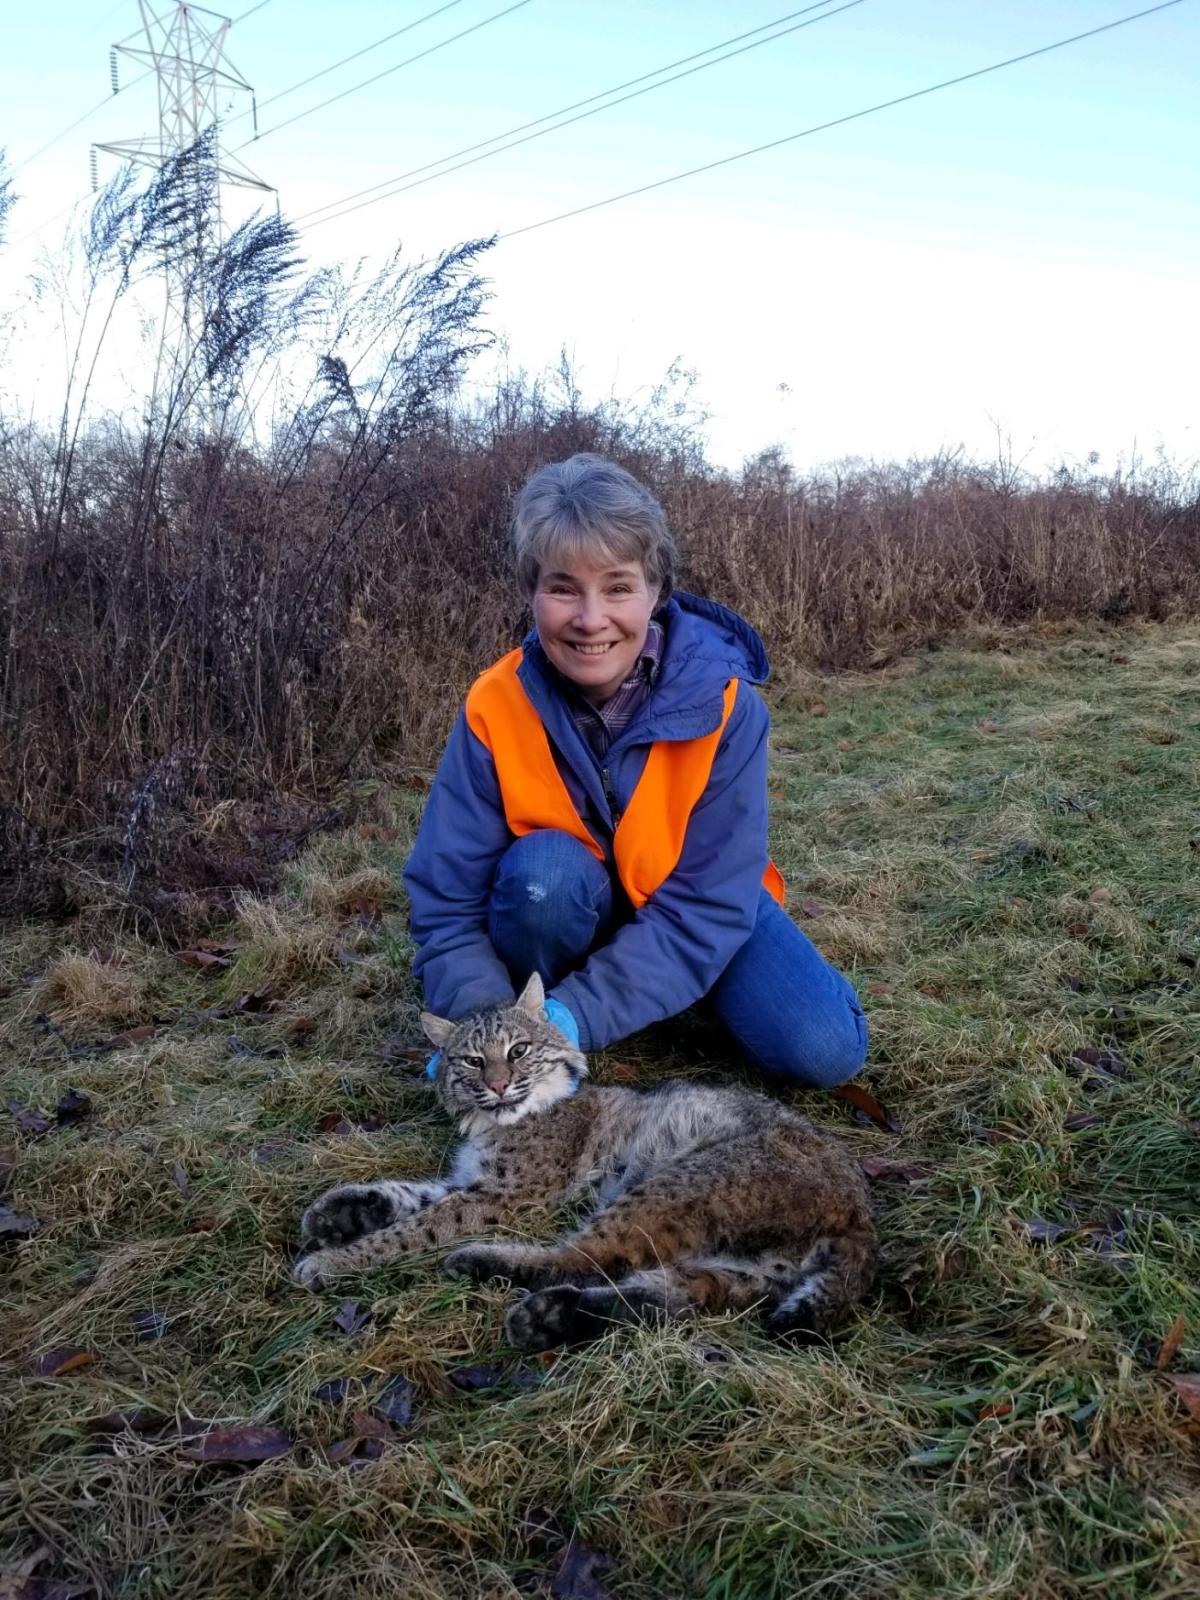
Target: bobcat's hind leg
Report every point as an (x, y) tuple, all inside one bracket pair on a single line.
[(574, 1314), (834, 1275)]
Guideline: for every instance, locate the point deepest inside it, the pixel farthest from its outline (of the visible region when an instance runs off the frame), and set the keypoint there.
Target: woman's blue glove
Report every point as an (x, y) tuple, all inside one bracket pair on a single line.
[(562, 1018), (560, 1015)]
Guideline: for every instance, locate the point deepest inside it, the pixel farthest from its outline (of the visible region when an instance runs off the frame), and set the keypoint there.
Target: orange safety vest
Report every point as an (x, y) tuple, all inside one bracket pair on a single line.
[(649, 837)]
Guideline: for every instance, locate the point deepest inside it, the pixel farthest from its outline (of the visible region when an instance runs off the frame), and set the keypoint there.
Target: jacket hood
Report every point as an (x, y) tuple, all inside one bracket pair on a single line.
[(706, 645)]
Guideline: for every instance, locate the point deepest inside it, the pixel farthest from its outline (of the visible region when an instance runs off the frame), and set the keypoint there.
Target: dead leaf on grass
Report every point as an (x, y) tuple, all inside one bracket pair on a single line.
[(1080, 1121), (1000, 1408), (351, 1318), (988, 726), (1170, 1345), (879, 988), (301, 1027), (1043, 1232), (73, 1107), (36, 1123), (811, 908), (1187, 1387), (139, 1419), (338, 1390), (623, 1072), (395, 1401), (17, 1581), (866, 1107), (148, 1325), (365, 1444), (882, 1169), (203, 960), (1079, 930), (479, 1376), (580, 1569), (13, 1226), (205, 1224), (57, 1363), (257, 999), (131, 1036), (239, 1444)]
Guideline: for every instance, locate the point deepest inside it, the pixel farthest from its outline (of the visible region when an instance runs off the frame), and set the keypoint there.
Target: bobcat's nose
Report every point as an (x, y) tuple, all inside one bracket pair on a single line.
[(497, 1080)]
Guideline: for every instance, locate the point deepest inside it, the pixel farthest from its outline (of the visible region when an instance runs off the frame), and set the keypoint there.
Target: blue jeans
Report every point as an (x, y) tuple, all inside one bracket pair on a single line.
[(790, 1012)]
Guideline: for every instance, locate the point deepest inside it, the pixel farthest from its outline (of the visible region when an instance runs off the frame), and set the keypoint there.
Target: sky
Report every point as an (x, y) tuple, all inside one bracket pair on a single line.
[(1010, 263)]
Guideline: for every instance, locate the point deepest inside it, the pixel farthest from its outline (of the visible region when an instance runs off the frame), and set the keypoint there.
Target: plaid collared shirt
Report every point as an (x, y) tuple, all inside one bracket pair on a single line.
[(601, 725)]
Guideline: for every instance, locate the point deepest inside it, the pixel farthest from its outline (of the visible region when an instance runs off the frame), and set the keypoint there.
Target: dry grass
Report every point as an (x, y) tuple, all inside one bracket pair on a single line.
[(993, 1424)]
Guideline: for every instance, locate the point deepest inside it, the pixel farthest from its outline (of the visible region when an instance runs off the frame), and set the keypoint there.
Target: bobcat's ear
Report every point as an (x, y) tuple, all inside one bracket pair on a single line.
[(533, 996), (437, 1029)]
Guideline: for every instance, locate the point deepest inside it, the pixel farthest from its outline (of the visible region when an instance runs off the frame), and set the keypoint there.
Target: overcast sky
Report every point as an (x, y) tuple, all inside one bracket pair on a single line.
[(1017, 254)]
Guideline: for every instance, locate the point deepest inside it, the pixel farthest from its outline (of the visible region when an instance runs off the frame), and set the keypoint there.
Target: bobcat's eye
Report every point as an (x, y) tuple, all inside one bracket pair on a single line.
[(518, 1050), (476, 1062)]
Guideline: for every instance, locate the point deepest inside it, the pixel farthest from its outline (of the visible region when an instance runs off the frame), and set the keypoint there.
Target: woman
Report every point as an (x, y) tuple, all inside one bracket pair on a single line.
[(600, 812)]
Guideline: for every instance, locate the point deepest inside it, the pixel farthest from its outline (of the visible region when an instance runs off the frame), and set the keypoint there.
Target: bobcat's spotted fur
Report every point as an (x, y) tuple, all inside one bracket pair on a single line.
[(702, 1197)]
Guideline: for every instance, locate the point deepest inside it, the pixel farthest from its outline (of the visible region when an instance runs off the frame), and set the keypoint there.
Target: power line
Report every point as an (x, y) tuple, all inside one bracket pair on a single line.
[(574, 106), (837, 122), (407, 62), (345, 61)]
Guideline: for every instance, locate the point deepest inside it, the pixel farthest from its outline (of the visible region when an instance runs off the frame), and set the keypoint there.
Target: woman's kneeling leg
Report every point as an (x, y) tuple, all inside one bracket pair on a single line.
[(791, 1012), (551, 902)]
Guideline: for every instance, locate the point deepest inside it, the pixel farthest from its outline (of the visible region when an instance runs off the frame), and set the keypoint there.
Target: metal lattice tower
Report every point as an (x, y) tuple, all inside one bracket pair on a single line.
[(185, 47)]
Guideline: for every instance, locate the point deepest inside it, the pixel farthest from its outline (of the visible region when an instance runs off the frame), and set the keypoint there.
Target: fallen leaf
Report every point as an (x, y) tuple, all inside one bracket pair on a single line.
[(180, 1177), (867, 1107), (1076, 985), (818, 709), (121, 1041), (1000, 1133), (338, 1390), (479, 1376), (29, 1120), (257, 999), (1099, 896), (14, 1226), (579, 1571), (1043, 1232), (203, 960), (1187, 1386), (879, 988), (17, 1582), (350, 1318), (1098, 1064), (811, 908), (1079, 1121), (844, 745), (365, 1443), (301, 1027), (394, 1402), (72, 1108), (982, 855), (56, 1363), (1170, 1345), (274, 1150), (239, 1444), (1000, 1409), (1079, 930), (988, 726), (951, 1263), (148, 1325), (1119, 660), (881, 1169), (205, 1224)]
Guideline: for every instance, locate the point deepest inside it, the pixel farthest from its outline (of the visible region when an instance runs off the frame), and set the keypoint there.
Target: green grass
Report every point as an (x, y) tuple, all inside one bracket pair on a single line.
[(993, 1424)]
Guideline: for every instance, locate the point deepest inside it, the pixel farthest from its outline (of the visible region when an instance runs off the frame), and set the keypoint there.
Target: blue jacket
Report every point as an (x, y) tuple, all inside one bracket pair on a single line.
[(676, 947)]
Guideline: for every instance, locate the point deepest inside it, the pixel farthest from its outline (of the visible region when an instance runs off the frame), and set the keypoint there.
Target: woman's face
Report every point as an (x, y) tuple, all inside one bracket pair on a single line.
[(592, 621)]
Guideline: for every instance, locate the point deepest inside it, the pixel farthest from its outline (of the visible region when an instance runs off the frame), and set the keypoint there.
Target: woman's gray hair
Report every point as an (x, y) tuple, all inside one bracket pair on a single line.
[(589, 508)]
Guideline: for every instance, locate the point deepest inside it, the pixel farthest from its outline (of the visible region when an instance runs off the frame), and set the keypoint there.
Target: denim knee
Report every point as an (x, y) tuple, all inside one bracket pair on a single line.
[(550, 900), (827, 1056)]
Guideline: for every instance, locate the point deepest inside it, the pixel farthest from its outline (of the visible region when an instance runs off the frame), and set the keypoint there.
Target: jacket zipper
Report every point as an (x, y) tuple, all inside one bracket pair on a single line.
[(610, 796)]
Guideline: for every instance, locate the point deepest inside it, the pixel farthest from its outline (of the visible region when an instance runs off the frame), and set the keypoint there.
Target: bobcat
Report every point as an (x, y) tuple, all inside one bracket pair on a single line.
[(702, 1197)]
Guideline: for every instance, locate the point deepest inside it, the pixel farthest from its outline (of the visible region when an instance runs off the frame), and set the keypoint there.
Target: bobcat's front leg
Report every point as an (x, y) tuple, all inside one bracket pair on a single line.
[(456, 1214)]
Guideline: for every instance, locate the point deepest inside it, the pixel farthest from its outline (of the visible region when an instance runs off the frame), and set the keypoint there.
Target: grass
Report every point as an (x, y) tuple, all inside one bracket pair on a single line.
[(999, 840)]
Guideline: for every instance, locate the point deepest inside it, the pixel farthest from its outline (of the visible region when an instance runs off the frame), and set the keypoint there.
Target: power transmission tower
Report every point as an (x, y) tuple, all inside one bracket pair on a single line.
[(185, 48)]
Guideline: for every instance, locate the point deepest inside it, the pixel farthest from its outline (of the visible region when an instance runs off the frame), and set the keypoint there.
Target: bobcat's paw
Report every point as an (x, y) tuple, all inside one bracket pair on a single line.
[(313, 1270), (547, 1318), (354, 1209), (479, 1262)]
